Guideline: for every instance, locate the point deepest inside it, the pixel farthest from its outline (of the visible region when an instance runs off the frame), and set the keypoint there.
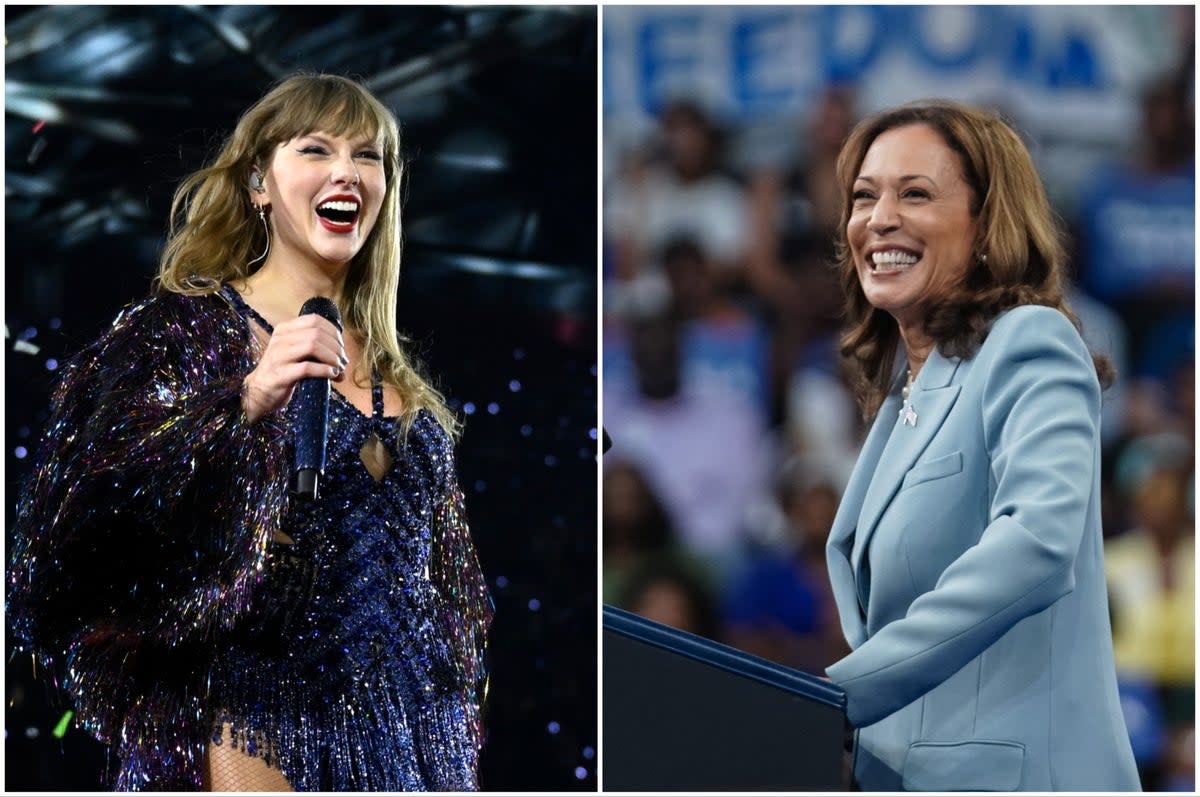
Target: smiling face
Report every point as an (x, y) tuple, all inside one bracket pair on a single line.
[(324, 193), (911, 231)]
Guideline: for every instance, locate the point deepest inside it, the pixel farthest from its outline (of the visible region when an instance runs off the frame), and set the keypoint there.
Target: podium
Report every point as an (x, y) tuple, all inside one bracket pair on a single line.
[(683, 713)]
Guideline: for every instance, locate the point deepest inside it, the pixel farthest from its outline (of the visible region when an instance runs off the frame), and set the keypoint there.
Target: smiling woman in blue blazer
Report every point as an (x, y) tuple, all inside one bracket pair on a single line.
[(966, 557)]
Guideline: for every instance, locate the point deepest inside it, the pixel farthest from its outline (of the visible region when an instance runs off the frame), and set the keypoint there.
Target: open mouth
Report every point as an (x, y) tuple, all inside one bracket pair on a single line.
[(338, 214), (891, 261)]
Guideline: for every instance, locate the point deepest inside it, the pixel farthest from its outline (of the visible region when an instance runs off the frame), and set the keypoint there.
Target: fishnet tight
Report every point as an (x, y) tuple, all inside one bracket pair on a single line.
[(230, 769)]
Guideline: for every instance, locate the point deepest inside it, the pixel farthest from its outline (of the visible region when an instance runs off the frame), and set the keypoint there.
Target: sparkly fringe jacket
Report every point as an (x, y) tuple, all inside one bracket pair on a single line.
[(148, 575)]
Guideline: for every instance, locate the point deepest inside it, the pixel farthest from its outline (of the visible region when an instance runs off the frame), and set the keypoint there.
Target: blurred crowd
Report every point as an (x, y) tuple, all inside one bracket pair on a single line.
[(734, 431)]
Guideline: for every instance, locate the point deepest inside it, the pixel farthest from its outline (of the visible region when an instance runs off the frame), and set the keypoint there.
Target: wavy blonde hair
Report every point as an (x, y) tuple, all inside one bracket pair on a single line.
[(214, 232), (1019, 253)]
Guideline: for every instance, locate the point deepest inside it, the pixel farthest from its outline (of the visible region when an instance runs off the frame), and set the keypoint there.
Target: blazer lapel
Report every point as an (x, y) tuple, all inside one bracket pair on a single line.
[(841, 535), (933, 395)]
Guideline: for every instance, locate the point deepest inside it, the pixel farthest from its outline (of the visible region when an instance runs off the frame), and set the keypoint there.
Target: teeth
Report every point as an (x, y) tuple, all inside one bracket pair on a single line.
[(893, 259), (345, 207)]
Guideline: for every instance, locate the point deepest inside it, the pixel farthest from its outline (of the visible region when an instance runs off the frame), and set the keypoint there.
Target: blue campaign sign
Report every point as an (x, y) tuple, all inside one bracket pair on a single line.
[(1139, 231), (748, 62), (731, 356)]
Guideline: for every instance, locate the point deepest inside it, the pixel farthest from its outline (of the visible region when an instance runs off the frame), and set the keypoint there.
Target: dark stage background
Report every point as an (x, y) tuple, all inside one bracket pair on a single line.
[(107, 108)]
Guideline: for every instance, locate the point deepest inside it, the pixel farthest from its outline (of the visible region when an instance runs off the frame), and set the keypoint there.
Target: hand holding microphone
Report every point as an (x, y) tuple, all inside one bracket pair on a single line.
[(305, 347)]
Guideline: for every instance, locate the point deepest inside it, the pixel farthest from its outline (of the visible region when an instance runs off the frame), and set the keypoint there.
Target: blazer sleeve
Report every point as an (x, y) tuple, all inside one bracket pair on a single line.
[(145, 522), (1040, 410)]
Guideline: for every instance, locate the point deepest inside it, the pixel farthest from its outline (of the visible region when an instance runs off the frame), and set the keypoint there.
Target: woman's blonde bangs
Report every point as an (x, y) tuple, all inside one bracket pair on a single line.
[(335, 106)]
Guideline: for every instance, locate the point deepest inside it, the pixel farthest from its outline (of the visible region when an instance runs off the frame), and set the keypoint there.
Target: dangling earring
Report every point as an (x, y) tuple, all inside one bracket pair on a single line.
[(262, 216)]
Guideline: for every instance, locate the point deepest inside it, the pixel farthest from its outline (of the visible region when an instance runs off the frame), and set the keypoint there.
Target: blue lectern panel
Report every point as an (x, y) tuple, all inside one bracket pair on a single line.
[(682, 713)]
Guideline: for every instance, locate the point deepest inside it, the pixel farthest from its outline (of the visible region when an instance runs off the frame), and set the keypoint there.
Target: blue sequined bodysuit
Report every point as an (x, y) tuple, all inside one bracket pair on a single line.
[(348, 630), (163, 573)]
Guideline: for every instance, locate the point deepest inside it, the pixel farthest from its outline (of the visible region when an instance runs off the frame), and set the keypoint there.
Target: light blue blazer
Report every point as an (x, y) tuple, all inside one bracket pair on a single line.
[(967, 565)]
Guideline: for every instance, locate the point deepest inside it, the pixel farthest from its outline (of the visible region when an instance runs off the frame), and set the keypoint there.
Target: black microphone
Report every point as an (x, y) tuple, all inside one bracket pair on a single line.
[(312, 414)]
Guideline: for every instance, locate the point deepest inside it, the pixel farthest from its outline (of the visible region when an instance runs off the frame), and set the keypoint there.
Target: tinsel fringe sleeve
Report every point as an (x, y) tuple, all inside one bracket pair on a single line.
[(146, 521), (469, 609)]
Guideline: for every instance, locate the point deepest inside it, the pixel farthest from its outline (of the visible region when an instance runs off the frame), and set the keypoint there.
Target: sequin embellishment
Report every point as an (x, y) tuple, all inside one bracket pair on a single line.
[(341, 640)]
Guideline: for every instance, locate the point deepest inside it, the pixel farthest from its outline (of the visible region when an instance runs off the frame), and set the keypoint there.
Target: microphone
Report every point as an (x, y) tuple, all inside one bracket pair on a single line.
[(312, 414)]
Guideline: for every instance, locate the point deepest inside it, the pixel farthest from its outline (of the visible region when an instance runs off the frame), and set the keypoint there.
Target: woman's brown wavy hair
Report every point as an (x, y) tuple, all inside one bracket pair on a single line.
[(1019, 253), (215, 232)]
